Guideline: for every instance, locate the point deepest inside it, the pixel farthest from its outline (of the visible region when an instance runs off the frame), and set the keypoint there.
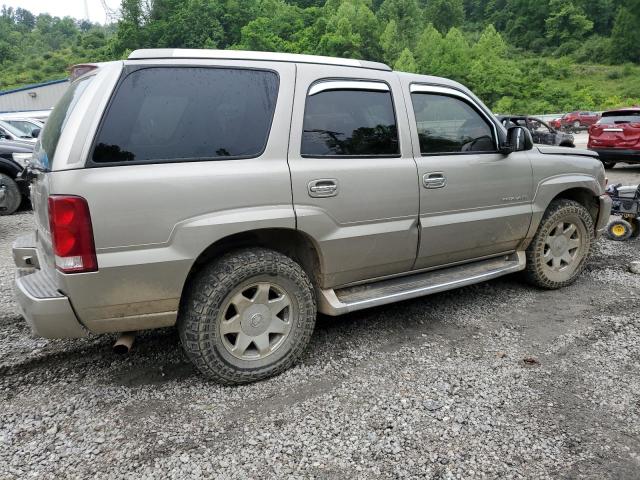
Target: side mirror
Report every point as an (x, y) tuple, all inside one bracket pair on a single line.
[(35, 133), (518, 140)]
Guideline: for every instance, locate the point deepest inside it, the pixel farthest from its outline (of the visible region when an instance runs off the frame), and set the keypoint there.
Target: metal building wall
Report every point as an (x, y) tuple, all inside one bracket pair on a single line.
[(34, 97)]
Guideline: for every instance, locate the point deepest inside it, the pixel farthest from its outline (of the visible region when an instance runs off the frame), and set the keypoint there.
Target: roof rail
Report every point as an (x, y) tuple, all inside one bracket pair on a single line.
[(157, 53)]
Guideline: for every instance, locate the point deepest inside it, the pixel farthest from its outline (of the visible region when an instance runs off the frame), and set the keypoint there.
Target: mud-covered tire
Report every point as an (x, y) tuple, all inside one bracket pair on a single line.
[(619, 230), (210, 296), (12, 196), (547, 247)]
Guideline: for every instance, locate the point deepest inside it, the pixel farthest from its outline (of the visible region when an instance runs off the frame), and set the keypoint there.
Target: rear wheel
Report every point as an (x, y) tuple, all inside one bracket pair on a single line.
[(10, 197), (248, 316), (561, 246)]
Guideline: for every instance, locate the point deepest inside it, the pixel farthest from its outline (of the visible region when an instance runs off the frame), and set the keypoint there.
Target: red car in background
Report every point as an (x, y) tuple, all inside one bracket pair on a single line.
[(616, 136), (578, 120)]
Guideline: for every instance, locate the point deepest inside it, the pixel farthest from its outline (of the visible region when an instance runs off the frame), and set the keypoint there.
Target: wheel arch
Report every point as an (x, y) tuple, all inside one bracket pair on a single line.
[(295, 244), (584, 196)]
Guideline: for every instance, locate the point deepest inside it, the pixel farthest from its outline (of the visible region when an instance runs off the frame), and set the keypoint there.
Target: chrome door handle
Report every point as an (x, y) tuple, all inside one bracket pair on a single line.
[(324, 187), (434, 180)]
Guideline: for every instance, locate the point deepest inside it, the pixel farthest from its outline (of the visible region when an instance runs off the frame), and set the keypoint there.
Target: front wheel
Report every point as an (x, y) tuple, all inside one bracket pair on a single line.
[(247, 316), (576, 125), (561, 246)]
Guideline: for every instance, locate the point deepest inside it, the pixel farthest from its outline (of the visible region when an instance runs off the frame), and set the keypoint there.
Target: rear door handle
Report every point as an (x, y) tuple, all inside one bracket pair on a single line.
[(434, 180), (323, 187)]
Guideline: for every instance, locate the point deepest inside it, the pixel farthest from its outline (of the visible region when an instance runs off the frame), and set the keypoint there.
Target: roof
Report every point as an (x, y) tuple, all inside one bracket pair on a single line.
[(156, 53), (31, 87), (618, 111)]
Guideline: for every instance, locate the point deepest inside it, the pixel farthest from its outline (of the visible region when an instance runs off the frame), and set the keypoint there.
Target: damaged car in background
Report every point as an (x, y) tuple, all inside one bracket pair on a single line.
[(541, 132)]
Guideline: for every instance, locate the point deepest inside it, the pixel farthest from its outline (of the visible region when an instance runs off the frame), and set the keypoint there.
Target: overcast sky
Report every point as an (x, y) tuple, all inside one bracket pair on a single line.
[(62, 8)]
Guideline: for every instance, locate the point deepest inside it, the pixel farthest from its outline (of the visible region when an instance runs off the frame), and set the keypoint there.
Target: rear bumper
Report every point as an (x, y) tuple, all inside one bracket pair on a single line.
[(618, 155), (47, 311), (604, 212)]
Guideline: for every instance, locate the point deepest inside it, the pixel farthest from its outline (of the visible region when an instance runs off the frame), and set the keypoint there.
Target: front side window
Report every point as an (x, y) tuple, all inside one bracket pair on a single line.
[(350, 123), (165, 114), (450, 125)]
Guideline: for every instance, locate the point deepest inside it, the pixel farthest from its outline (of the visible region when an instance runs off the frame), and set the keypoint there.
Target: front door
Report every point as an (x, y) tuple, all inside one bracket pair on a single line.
[(353, 175), (474, 201)]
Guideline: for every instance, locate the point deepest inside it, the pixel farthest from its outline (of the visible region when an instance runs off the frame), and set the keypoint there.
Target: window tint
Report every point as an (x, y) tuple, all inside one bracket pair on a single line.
[(169, 114), (350, 123), (56, 122), (448, 125)]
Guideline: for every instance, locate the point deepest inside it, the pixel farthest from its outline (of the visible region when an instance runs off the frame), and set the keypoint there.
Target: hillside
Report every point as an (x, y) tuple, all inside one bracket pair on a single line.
[(518, 56)]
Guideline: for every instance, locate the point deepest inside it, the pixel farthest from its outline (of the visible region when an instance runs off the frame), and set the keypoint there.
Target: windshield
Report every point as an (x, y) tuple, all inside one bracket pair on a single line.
[(13, 130), (24, 126), (48, 142)]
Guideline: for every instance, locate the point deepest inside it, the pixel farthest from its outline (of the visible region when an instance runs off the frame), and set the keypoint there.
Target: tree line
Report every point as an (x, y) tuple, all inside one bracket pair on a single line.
[(517, 55)]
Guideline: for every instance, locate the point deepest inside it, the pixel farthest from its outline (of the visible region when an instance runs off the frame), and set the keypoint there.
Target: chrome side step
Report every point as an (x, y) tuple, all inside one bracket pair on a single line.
[(350, 299)]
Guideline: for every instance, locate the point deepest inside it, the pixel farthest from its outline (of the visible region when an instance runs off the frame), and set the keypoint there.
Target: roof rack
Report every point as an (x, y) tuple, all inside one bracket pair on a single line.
[(157, 53)]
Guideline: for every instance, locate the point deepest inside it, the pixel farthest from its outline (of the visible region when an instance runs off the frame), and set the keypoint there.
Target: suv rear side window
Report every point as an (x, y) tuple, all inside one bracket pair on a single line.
[(56, 122), (188, 113), (350, 123), (450, 125)]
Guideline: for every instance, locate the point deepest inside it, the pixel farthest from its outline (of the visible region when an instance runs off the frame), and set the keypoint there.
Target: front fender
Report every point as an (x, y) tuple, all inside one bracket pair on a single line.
[(553, 187)]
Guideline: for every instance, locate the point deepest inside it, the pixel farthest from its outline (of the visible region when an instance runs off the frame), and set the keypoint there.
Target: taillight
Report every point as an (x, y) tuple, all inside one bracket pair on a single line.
[(71, 234)]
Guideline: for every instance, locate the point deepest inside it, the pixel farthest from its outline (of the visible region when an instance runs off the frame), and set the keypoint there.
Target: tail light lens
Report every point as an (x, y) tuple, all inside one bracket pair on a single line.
[(72, 234)]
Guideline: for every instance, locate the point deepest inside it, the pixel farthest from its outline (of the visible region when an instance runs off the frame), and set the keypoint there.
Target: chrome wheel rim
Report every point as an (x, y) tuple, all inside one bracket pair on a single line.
[(562, 247), (256, 320)]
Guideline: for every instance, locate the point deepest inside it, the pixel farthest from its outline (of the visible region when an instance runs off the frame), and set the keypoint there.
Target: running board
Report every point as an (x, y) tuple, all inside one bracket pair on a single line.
[(350, 299)]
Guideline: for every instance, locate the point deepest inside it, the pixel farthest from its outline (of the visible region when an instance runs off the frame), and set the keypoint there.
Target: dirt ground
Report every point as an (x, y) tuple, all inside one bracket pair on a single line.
[(497, 380)]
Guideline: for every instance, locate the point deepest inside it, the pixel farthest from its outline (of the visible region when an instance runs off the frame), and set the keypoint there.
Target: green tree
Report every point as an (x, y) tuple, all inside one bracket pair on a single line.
[(352, 31), (566, 22), (406, 62), (625, 36), (428, 52), (445, 14), (391, 43), (408, 18)]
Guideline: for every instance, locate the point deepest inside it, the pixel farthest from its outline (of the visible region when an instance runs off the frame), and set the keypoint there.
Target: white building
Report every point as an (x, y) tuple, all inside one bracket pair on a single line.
[(42, 96)]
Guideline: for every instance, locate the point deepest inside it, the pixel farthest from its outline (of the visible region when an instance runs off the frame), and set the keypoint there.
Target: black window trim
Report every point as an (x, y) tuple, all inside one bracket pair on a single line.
[(447, 91), (351, 80), (130, 69)]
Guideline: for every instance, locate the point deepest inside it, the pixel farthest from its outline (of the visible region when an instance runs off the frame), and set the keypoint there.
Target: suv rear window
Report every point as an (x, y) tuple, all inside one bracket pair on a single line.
[(612, 118), (188, 113), (56, 122)]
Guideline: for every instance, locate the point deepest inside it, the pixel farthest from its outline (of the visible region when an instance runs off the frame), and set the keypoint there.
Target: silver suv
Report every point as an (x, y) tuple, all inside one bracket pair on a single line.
[(236, 194)]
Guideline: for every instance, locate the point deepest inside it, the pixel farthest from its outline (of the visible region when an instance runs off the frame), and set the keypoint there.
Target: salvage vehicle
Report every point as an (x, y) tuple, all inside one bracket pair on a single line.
[(14, 156), (236, 194), (616, 136), (540, 130), (579, 120)]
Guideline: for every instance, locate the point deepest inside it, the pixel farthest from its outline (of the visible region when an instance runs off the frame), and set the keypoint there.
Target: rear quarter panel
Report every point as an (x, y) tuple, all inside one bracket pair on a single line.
[(152, 221)]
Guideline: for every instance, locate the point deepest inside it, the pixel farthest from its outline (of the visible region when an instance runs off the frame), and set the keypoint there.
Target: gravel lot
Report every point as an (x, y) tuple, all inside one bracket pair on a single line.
[(498, 380)]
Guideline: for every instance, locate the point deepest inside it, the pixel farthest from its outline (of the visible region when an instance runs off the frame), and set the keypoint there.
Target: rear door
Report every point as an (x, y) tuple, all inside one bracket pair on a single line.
[(353, 175), (474, 201)]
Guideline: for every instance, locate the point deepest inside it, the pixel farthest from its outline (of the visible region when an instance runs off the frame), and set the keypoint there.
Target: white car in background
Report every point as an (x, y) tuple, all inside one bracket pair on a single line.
[(9, 132), (28, 126)]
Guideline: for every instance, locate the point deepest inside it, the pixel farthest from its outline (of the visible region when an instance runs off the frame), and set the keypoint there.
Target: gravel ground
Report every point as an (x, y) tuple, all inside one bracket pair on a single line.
[(498, 380)]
